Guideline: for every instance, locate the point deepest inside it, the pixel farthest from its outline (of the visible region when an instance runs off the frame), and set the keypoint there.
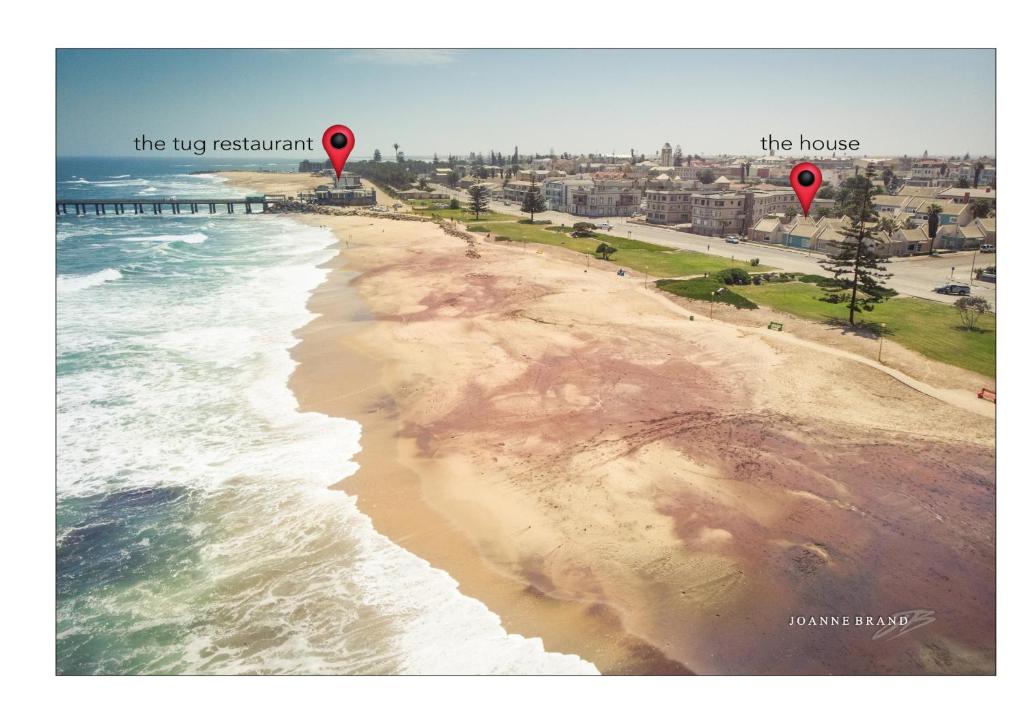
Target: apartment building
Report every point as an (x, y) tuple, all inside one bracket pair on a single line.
[(718, 213), (668, 206), (593, 196), (515, 191)]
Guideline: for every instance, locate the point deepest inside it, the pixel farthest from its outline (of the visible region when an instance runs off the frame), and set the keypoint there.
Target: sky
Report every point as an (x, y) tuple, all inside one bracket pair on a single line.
[(580, 101)]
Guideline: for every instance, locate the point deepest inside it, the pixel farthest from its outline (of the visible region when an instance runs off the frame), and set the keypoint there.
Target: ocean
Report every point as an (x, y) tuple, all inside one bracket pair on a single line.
[(195, 530)]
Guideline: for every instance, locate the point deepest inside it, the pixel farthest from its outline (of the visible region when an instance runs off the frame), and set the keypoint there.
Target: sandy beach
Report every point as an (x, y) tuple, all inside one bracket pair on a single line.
[(654, 491)]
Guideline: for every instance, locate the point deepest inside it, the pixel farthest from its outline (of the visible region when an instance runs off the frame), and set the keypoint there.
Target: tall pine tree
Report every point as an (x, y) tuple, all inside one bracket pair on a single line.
[(533, 202), (478, 198), (855, 264)]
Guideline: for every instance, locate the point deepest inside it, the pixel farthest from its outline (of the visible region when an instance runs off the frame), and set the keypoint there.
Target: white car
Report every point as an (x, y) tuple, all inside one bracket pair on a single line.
[(604, 225)]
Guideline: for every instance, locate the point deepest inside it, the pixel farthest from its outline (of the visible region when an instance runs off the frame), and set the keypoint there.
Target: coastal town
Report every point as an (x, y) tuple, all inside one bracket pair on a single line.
[(925, 204), (932, 221)]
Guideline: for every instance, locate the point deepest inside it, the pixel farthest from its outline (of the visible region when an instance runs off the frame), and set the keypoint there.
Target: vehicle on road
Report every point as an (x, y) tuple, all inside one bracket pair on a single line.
[(988, 249), (604, 225), (957, 289), (732, 239)]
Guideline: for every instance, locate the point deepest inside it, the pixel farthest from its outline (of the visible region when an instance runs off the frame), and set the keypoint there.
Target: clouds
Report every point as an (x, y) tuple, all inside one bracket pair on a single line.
[(401, 56)]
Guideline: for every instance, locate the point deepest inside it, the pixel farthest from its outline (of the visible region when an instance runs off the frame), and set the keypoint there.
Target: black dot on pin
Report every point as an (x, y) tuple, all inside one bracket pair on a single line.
[(805, 178), (338, 140)]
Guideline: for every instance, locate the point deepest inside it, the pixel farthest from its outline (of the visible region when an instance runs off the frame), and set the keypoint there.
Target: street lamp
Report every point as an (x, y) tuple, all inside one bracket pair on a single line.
[(713, 295), (881, 335)]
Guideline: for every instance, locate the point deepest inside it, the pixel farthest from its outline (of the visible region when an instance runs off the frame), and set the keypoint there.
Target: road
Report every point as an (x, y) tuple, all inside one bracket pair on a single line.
[(913, 276)]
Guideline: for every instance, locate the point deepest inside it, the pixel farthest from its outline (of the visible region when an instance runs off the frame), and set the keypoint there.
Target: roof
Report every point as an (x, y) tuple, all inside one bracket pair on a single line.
[(831, 235), (919, 191), (918, 233), (768, 223), (722, 180), (803, 228)]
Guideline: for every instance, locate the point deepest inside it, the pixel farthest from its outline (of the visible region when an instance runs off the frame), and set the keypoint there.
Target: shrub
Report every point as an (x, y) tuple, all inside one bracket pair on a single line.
[(583, 228), (733, 276), (755, 261)]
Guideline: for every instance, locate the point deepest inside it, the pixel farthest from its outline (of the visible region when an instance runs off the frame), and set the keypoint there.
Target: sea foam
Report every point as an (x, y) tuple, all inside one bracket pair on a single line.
[(77, 282)]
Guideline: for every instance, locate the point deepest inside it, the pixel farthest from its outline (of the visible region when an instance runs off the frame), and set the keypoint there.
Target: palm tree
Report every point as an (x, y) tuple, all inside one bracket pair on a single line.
[(933, 223), (396, 151), (978, 168)]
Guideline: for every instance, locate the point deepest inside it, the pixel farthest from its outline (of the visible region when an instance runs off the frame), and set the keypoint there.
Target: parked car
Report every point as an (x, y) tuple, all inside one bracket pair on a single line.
[(732, 239), (958, 289), (604, 225), (988, 249)]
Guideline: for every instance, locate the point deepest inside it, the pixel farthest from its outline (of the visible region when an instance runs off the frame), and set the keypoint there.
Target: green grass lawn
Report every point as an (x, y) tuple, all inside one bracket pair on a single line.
[(931, 328), (641, 256), (704, 289)]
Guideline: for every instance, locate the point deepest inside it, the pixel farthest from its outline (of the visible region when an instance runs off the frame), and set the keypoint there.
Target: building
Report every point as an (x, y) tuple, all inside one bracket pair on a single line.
[(596, 195), (739, 212), (968, 236), (515, 191), (314, 166), (718, 213), (916, 208), (911, 241), (827, 233), (346, 191), (666, 154), (768, 230), (668, 206)]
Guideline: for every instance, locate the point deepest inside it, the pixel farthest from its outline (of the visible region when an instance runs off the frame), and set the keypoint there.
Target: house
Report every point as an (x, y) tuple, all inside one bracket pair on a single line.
[(768, 230), (952, 236), (988, 227), (911, 241), (801, 233), (916, 207)]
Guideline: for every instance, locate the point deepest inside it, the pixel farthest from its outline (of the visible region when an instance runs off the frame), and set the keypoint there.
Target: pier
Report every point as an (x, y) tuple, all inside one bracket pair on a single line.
[(140, 206)]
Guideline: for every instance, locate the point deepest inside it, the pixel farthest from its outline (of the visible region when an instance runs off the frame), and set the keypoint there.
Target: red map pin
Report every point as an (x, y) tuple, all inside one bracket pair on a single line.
[(339, 142), (805, 178)]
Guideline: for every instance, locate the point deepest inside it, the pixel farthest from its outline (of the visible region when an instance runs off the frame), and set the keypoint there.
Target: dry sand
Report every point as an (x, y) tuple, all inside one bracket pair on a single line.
[(652, 493)]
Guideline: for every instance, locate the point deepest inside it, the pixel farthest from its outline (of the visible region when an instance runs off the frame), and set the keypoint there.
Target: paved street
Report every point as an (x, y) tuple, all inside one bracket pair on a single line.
[(913, 276)]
